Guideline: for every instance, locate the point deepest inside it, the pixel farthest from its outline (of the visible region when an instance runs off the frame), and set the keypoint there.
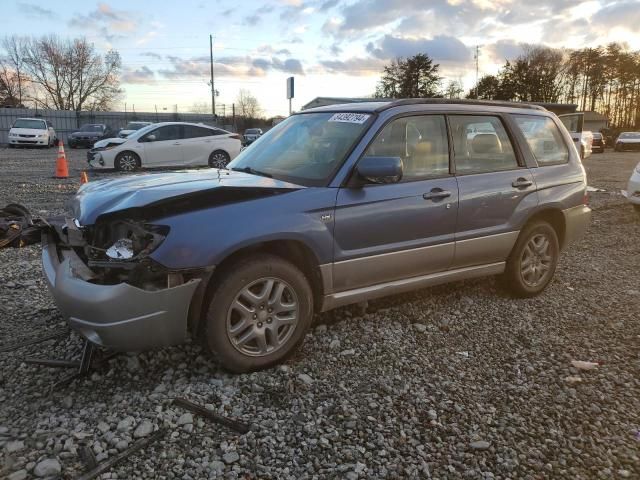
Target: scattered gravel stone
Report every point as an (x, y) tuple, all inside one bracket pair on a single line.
[(103, 427), (185, 418), (217, 466), (420, 327), (306, 379), (144, 429), (335, 344), (230, 457), (125, 424), (47, 468), (19, 475), (14, 446), (480, 445)]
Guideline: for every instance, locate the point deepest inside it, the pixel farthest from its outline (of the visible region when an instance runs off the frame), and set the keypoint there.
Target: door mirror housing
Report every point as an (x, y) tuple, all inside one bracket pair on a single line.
[(380, 169), (150, 138)]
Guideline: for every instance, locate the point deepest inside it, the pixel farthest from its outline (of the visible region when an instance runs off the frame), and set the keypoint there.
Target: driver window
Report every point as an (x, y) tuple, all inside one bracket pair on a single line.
[(168, 132), (421, 142)]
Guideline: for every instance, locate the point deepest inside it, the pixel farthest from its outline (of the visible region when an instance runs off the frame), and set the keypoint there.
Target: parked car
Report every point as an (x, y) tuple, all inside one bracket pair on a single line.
[(582, 139), (628, 141), (251, 135), (632, 193), (335, 205), (167, 144), (598, 142), (87, 135), (32, 131), (132, 127)]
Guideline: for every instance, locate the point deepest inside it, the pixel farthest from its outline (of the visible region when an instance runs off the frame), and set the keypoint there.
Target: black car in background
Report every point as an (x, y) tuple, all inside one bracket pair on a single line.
[(598, 143), (89, 134)]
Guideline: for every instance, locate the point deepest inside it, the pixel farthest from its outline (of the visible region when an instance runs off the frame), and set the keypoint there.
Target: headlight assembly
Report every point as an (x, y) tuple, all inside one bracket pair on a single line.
[(127, 239)]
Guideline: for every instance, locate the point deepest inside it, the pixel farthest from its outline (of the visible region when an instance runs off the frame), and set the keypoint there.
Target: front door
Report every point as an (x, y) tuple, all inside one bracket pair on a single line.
[(163, 146), (495, 189), (391, 231)]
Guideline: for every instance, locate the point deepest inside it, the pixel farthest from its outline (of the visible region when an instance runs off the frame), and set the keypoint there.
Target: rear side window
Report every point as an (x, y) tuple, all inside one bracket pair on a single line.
[(420, 141), (481, 144), (544, 139), (191, 131)]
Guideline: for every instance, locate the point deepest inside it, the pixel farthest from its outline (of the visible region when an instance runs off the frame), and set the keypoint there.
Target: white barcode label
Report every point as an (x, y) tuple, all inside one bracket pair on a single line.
[(349, 117)]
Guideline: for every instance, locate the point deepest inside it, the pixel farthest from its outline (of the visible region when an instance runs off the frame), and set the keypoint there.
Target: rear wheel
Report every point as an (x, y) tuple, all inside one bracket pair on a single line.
[(258, 314), (127, 162), (219, 159), (533, 260)]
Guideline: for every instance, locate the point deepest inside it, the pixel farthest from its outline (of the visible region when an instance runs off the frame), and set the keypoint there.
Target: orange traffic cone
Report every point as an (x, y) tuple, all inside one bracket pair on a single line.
[(62, 171), (83, 178)]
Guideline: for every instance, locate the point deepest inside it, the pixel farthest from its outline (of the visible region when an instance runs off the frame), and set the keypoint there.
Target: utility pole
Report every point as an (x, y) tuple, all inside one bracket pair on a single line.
[(233, 110), (477, 57), (213, 88)]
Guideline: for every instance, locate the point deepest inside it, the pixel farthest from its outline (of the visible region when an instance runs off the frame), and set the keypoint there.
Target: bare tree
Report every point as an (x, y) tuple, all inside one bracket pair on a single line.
[(201, 107), (70, 74), (12, 68), (248, 105)]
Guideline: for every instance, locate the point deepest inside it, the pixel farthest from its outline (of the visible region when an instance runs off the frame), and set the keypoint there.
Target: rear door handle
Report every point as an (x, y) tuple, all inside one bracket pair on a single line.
[(436, 194), (522, 183)]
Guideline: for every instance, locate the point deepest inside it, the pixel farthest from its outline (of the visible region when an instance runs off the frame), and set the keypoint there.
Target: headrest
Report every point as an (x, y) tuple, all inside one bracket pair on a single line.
[(423, 148), (486, 143)]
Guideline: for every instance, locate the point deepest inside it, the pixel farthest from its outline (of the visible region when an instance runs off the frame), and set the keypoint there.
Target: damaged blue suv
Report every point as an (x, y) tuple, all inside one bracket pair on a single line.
[(333, 206)]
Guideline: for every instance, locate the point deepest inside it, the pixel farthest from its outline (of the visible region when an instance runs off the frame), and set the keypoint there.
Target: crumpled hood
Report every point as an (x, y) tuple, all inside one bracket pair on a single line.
[(107, 141), (147, 190)]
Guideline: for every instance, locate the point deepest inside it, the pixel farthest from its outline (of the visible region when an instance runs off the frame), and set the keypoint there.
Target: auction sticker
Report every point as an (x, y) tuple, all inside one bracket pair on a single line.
[(349, 117)]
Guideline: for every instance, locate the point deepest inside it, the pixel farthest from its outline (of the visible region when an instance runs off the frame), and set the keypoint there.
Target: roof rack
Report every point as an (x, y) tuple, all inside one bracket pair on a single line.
[(456, 101)]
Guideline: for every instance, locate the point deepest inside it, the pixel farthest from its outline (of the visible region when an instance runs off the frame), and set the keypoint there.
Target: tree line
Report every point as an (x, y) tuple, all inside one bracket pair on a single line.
[(54, 73), (605, 79)]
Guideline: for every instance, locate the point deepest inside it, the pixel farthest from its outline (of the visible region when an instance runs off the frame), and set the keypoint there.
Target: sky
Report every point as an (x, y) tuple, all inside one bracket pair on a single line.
[(333, 48)]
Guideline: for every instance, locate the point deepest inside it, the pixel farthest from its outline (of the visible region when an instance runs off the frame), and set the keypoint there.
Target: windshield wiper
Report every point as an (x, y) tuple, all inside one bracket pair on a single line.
[(252, 171)]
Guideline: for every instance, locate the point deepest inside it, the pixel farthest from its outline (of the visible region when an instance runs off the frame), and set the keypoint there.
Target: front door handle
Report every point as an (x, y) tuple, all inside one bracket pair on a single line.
[(436, 194), (522, 183)]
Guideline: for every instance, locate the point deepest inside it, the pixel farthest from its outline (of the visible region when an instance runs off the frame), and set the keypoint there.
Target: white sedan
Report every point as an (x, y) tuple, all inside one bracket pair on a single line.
[(167, 144), (632, 193)]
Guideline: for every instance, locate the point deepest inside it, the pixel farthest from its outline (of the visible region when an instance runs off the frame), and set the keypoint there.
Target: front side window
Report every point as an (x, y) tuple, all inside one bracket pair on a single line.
[(420, 142), (168, 132), (544, 139), (481, 144), (305, 148), (33, 124)]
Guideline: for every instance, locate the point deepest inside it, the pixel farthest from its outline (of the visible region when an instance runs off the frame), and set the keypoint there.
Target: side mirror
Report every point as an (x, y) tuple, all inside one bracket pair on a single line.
[(151, 138), (380, 169)]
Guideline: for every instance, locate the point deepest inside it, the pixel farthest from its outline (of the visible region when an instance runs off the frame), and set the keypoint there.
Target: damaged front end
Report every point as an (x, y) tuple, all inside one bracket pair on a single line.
[(111, 291)]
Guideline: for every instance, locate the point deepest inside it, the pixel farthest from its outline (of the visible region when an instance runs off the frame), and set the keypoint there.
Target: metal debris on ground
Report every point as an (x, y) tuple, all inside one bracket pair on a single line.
[(18, 228), (236, 425), (111, 462)]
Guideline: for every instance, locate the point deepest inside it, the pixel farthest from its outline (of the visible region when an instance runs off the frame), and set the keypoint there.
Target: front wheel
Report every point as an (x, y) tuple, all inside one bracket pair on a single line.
[(259, 313), (533, 260), (219, 159), (127, 162)]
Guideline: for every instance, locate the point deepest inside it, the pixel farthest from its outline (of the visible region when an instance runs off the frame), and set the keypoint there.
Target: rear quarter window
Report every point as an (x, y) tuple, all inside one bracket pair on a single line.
[(544, 139)]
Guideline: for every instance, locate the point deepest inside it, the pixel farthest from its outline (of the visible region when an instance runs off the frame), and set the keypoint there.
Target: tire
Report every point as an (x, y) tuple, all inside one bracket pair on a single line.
[(127, 162), (219, 159), (237, 319), (535, 278)]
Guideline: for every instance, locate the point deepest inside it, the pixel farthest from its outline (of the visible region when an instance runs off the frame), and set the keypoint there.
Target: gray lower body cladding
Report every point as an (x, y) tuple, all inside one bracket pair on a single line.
[(121, 317)]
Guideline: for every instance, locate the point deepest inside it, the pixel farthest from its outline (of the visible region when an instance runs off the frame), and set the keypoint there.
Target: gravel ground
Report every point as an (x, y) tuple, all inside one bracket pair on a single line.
[(457, 381)]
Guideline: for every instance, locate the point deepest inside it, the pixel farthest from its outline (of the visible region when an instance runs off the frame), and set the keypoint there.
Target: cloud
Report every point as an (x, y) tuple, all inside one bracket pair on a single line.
[(357, 66), (290, 65), (140, 75), (112, 24), (624, 14), (441, 48), (154, 55), (256, 17), (269, 50), (35, 11)]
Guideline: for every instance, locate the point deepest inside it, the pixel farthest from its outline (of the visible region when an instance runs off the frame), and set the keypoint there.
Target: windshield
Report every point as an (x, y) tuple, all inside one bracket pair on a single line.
[(305, 149), (630, 135), (26, 123), (91, 128), (251, 131), (140, 132), (135, 125)]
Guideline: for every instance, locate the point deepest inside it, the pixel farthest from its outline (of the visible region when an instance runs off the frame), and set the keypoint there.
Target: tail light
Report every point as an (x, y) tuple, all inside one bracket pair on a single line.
[(235, 136)]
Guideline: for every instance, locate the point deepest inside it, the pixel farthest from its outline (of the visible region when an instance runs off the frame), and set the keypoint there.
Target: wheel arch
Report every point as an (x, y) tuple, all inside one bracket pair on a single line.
[(292, 250), (555, 218), (119, 154)]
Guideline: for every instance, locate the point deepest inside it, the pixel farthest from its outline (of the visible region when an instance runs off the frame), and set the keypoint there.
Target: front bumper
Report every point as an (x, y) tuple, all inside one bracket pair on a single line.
[(95, 159), (632, 193), (576, 220), (28, 141), (120, 317)]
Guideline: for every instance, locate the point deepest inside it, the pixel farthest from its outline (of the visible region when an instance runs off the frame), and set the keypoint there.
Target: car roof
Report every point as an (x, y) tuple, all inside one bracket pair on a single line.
[(28, 118), (428, 104), (162, 124)]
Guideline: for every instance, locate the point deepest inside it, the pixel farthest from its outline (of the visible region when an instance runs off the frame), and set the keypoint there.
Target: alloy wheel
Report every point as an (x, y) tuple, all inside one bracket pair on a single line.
[(127, 163), (536, 261), (262, 317), (219, 160)]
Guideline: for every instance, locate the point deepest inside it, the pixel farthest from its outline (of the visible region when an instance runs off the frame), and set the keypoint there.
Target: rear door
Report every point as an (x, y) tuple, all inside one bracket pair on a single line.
[(198, 144), (166, 148), (385, 232), (495, 188)]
